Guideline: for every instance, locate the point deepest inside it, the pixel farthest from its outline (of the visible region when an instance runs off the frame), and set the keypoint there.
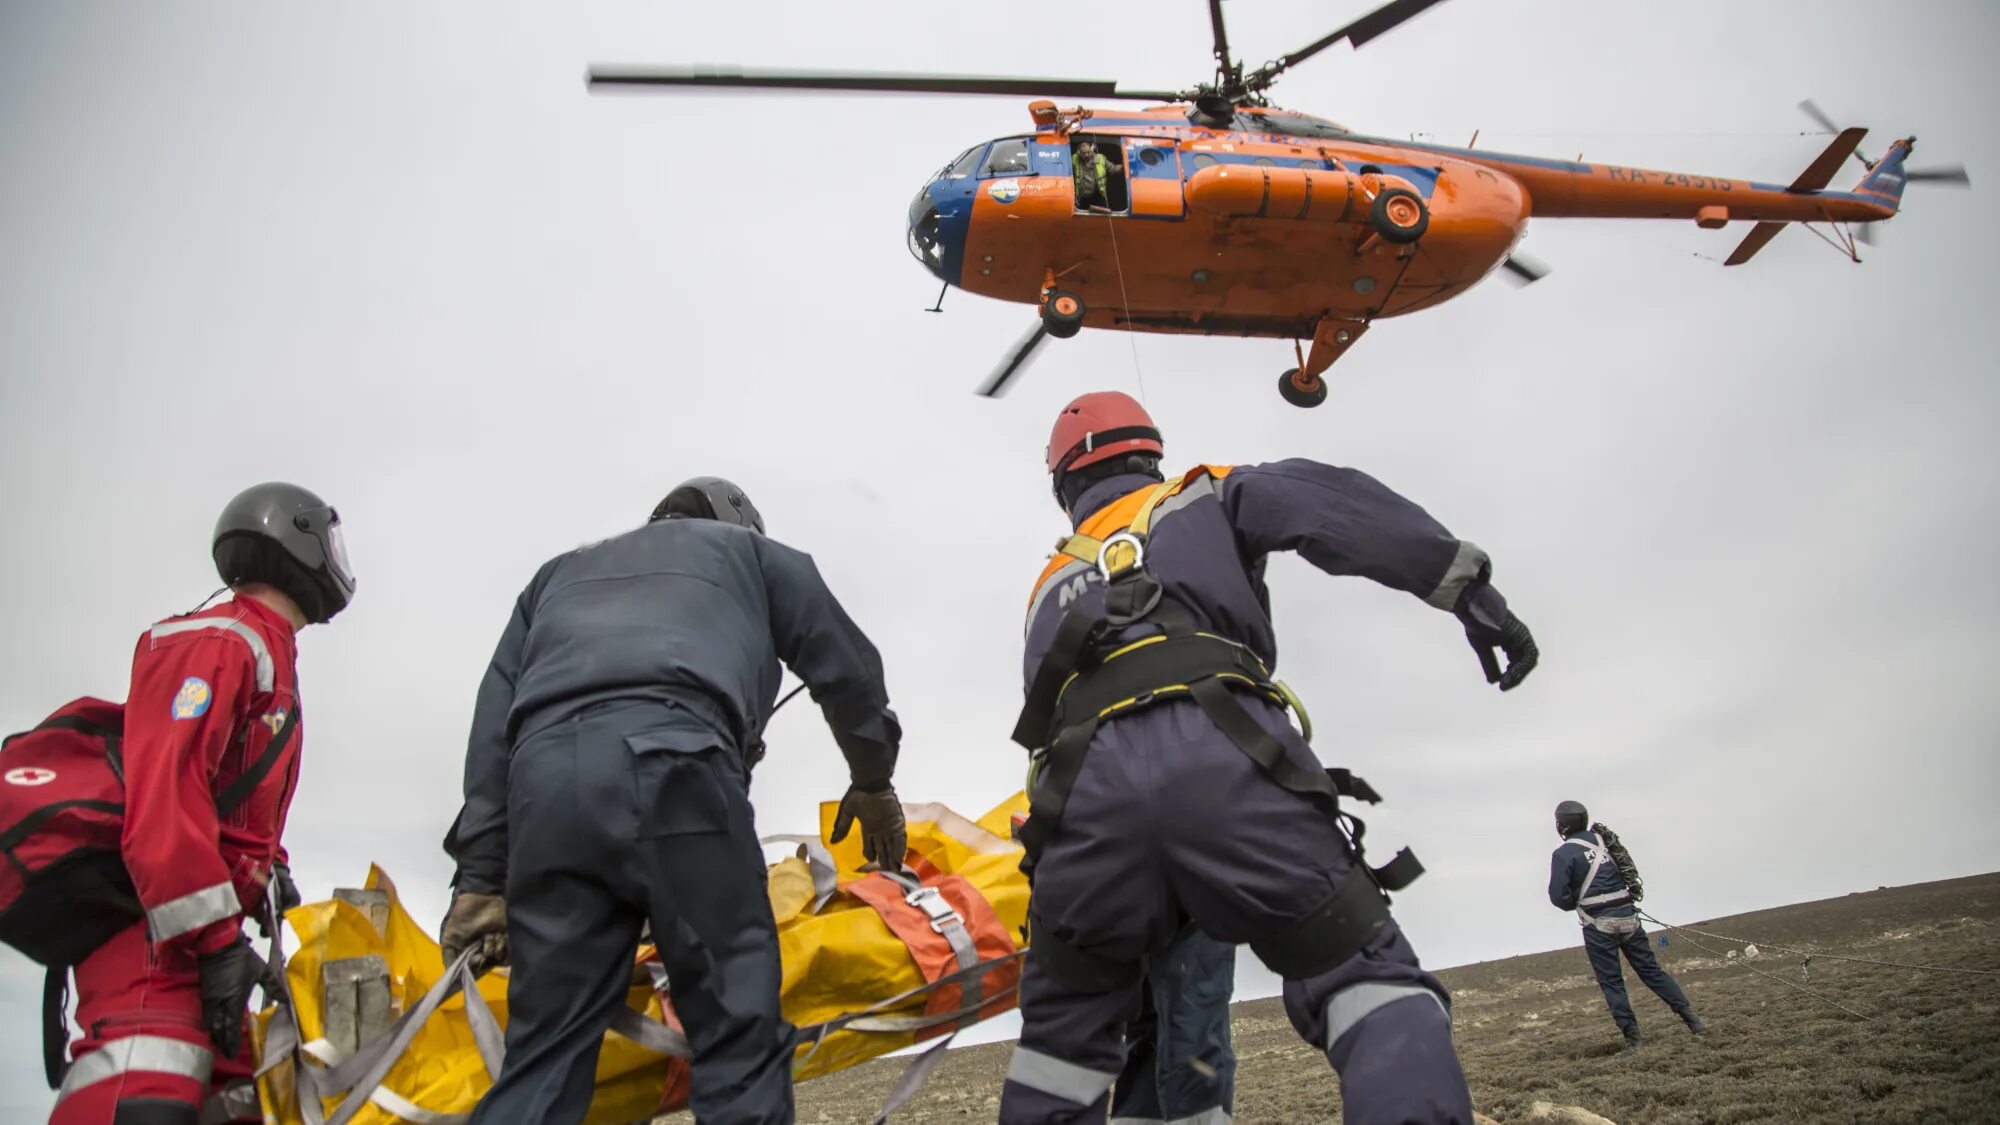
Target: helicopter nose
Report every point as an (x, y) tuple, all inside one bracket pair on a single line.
[(938, 218), (927, 232)]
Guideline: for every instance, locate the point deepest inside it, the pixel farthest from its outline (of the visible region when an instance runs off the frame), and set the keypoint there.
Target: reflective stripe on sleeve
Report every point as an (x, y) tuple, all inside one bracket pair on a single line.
[(154, 1053), (267, 675), (1053, 1076), (1465, 566), (1351, 1005), (191, 912)]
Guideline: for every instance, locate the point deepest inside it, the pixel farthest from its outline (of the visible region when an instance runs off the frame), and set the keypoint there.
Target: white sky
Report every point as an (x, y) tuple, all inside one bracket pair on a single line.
[(400, 256)]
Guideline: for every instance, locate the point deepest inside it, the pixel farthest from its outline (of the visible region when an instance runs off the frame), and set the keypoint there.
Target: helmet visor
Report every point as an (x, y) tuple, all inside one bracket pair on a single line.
[(336, 555)]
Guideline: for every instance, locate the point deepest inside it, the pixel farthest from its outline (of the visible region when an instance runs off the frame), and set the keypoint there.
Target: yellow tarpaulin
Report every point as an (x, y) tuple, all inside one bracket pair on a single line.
[(839, 959)]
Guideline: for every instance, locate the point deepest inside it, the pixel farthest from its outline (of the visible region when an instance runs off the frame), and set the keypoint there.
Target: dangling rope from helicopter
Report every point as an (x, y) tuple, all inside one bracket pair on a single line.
[(1118, 261)]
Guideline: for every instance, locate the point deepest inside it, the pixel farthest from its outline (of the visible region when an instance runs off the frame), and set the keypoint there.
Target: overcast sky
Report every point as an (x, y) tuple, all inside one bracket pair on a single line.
[(397, 254)]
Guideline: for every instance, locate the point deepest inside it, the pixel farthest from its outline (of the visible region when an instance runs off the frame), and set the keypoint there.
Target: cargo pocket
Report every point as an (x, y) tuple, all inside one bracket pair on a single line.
[(681, 784)]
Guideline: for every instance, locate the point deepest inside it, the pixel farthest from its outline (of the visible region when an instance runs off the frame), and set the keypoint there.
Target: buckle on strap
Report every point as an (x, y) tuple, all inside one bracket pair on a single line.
[(1118, 544), (935, 907)]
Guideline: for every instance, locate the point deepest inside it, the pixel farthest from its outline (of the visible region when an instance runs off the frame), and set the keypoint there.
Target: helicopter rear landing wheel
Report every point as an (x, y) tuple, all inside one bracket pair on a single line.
[(1062, 312), (1302, 390), (1399, 216)]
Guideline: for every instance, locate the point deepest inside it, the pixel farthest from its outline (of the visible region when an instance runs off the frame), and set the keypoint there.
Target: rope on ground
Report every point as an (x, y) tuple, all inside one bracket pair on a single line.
[(1781, 980), (1809, 955), (1126, 298)]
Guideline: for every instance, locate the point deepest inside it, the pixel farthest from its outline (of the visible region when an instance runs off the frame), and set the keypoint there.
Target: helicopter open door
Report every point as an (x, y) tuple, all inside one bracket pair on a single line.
[(1155, 178)]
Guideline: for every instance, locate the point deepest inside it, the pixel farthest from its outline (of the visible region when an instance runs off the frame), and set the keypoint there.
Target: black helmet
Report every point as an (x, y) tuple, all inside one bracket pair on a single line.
[(286, 537), (1571, 818), (710, 498)]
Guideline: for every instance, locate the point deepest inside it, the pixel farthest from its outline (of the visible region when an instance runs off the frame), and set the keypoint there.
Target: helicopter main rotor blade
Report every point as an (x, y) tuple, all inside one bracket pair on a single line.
[(1361, 31), (1952, 175), (1221, 36), (1524, 270), (1015, 363), (861, 81), (1811, 109)]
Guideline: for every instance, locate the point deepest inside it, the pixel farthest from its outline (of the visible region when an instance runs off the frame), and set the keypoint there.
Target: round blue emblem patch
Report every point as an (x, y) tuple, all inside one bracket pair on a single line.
[(191, 702)]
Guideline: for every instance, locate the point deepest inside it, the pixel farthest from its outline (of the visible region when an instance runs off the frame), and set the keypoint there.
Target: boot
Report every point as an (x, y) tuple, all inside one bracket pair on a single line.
[(1632, 1040), (1694, 1022)]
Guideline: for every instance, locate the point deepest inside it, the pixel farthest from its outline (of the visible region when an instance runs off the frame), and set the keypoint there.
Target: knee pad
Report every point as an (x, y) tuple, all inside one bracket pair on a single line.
[(1079, 970), (1334, 931)]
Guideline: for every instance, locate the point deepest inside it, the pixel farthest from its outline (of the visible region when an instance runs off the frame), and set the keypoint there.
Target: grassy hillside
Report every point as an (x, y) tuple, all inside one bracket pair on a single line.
[(1535, 1029)]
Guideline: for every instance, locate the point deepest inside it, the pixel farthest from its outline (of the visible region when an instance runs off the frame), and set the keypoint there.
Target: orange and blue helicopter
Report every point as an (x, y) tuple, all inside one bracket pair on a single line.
[(1216, 213)]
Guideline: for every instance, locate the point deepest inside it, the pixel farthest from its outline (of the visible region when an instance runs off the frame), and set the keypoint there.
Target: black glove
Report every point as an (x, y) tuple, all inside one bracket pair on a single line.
[(1512, 638), (280, 894), (883, 838), (475, 920), (227, 976)]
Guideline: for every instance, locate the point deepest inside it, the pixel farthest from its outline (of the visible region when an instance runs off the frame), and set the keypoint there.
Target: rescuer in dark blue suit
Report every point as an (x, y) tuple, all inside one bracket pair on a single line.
[(606, 785), (1168, 786), (1583, 878)]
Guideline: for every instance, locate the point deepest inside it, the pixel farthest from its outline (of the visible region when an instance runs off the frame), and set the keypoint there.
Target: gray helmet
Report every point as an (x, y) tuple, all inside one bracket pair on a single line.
[(286, 537), (1571, 818), (711, 498)]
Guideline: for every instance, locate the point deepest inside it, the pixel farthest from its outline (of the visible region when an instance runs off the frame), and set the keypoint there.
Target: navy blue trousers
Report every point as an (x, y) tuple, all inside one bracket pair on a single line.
[(1604, 950), (621, 816), (1168, 823)]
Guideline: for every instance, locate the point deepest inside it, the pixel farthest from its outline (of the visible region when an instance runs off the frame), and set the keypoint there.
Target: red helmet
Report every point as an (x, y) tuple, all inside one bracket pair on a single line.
[(1098, 427)]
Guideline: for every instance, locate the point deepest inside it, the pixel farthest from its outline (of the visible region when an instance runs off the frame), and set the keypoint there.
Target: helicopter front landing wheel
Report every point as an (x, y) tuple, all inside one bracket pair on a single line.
[(1399, 216), (1303, 391), (1062, 312)]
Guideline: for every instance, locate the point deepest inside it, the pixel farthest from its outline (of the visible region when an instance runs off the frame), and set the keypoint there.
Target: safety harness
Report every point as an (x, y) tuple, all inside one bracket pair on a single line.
[(1088, 678), (1599, 856)]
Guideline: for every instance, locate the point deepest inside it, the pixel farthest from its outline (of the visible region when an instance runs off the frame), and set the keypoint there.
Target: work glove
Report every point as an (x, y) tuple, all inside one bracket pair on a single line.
[(1512, 638), (227, 976), (475, 920), (883, 839), (280, 895)]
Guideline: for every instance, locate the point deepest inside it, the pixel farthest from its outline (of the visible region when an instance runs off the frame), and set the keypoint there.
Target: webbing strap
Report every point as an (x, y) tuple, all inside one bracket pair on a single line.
[(1258, 744), (1144, 520), (55, 1024), (819, 861), (246, 783), (1066, 651), (913, 1078)]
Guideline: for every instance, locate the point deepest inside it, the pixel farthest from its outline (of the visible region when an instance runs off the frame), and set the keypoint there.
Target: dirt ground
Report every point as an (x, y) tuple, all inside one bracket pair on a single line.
[(1534, 1029)]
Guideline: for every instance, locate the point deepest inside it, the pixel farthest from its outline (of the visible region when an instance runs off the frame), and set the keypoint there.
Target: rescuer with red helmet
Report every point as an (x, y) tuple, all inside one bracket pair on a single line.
[(1168, 786)]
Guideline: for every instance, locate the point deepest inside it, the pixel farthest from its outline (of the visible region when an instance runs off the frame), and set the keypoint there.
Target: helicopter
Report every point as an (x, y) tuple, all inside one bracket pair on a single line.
[(1214, 212)]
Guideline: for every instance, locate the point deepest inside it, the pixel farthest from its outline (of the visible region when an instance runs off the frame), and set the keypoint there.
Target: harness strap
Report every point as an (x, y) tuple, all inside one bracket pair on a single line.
[(246, 783), (55, 1024)]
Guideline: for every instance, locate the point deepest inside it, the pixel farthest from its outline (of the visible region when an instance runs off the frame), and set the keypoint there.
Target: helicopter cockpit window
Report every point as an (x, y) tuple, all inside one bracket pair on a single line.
[(965, 164), (1008, 158)]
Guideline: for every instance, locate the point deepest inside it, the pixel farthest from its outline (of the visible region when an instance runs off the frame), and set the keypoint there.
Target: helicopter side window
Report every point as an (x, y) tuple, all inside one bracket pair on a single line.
[(1097, 170), (1008, 158), (1201, 160)]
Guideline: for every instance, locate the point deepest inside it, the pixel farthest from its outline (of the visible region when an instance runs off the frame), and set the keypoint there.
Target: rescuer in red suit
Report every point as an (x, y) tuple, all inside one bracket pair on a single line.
[(211, 719)]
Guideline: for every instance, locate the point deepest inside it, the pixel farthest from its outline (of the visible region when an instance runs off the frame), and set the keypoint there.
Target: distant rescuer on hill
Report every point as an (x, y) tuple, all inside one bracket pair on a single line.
[(1584, 877)]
